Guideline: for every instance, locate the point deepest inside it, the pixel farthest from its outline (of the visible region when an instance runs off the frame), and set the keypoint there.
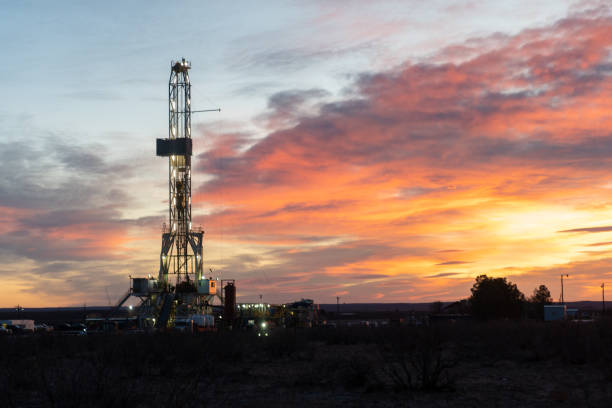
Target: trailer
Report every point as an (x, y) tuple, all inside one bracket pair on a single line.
[(25, 325)]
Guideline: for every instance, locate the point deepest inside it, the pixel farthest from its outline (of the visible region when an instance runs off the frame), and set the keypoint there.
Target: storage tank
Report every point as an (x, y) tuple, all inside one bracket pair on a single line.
[(230, 303)]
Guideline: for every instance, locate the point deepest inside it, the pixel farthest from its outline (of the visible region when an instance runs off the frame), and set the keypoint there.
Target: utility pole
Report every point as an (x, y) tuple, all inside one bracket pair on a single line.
[(337, 311), (562, 298), (603, 298)]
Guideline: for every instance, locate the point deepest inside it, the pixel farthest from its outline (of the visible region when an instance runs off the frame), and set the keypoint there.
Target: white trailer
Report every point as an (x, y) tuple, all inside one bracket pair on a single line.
[(23, 324)]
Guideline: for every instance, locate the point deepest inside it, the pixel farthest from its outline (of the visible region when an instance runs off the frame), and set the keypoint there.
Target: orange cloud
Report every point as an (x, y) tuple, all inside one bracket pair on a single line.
[(417, 180), (491, 156)]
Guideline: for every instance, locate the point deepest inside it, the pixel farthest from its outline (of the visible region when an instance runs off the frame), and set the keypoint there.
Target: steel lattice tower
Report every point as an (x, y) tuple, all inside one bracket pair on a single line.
[(181, 252)]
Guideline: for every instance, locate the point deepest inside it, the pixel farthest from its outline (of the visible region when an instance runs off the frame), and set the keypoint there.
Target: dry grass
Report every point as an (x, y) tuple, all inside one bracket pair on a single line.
[(468, 364)]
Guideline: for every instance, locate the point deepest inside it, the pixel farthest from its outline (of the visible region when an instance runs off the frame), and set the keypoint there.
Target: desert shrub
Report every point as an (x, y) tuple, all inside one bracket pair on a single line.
[(342, 335), (419, 363), (356, 369), (285, 343)]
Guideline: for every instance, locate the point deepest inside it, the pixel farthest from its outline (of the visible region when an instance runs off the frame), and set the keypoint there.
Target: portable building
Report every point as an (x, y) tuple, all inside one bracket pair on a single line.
[(554, 312)]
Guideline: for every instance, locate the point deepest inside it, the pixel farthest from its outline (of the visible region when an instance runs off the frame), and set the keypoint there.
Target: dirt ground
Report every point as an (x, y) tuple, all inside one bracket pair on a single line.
[(501, 364)]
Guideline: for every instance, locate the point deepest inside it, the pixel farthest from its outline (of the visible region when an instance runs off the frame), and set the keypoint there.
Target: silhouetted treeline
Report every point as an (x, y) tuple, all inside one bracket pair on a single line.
[(497, 298)]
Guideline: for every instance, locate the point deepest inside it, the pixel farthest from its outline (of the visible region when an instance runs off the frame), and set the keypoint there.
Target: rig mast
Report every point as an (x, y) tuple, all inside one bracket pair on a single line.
[(181, 296), (181, 253)]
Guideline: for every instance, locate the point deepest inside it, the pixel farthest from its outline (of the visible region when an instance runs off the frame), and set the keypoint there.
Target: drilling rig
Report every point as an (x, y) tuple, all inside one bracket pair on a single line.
[(181, 294)]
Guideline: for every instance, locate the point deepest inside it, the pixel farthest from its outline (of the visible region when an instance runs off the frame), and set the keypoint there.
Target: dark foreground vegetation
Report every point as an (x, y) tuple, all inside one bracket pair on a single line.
[(467, 364)]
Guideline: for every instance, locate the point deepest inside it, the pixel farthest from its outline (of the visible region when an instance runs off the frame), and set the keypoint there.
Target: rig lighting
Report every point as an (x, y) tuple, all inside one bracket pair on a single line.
[(180, 243)]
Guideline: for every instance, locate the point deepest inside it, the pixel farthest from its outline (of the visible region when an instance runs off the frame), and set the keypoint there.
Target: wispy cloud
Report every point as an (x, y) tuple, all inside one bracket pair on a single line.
[(433, 154), (590, 229), (452, 263)]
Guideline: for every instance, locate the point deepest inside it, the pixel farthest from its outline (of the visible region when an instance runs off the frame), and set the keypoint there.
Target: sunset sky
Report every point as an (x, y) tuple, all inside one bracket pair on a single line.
[(378, 151)]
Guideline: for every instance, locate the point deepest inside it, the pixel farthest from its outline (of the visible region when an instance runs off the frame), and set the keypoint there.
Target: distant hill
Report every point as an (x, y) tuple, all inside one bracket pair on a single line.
[(426, 307), (56, 315), (62, 314), (376, 307)]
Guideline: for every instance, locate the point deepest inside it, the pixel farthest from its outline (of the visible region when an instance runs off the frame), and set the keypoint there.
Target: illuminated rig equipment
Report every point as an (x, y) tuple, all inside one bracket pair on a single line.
[(181, 297), (181, 253), (184, 293)]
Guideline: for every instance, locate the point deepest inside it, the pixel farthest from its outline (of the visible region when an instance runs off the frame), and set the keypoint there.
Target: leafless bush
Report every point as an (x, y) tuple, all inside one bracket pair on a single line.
[(421, 363)]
